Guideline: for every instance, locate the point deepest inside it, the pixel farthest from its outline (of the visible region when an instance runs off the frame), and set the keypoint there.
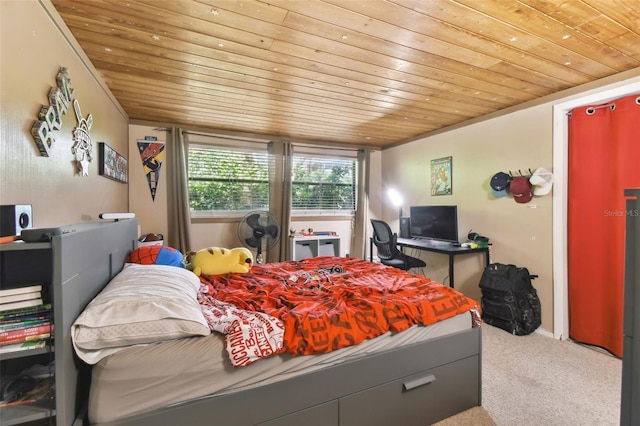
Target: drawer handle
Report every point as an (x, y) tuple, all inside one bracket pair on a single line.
[(416, 383)]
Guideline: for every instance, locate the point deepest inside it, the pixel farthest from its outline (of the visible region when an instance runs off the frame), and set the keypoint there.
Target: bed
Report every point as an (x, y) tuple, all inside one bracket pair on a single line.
[(414, 377)]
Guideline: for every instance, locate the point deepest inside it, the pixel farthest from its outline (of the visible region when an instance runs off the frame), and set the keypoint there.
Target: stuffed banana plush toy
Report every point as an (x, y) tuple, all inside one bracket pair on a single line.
[(218, 261)]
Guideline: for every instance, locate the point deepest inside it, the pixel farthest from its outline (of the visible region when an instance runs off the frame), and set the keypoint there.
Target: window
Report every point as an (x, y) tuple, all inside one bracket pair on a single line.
[(323, 185), (223, 179), (226, 180)]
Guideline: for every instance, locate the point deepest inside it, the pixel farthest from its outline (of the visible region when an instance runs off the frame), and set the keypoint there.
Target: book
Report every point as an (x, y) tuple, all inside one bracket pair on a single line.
[(25, 339), (21, 304), (19, 290), (20, 312), (20, 296), (24, 332), (45, 316), (23, 346), (18, 325)]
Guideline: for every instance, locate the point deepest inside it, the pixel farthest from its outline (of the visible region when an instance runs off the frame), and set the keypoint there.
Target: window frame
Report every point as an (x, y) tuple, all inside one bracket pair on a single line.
[(313, 152)]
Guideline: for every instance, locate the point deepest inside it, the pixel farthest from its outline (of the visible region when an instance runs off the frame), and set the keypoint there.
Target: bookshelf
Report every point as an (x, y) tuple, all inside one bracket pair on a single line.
[(26, 265), (303, 247)]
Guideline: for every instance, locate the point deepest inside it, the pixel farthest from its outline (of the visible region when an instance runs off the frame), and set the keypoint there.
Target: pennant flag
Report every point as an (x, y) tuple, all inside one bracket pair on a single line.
[(152, 155)]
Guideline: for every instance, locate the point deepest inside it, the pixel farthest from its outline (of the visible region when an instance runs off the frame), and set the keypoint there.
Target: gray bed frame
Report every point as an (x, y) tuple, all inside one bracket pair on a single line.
[(415, 385)]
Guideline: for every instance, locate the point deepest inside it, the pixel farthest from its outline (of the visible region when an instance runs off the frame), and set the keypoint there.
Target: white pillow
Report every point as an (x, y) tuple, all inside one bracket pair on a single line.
[(142, 304)]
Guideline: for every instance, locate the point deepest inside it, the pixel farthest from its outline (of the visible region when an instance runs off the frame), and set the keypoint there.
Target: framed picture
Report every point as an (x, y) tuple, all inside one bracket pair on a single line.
[(113, 165), (441, 179)]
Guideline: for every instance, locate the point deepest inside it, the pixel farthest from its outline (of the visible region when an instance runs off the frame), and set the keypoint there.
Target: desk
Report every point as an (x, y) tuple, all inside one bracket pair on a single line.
[(439, 247)]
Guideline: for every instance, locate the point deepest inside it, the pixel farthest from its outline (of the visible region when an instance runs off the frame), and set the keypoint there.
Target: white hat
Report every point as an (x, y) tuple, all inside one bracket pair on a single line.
[(542, 181)]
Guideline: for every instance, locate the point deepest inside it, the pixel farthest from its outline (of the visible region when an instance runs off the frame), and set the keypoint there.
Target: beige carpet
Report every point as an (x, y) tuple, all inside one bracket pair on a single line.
[(551, 382), (537, 380), (476, 416)]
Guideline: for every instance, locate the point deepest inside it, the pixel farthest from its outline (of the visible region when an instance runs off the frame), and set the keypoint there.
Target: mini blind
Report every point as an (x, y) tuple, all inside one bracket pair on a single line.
[(323, 184), (224, 179)]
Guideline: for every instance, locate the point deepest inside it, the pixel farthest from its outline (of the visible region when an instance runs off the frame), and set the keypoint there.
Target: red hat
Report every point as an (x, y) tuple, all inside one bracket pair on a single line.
[(520, 188)]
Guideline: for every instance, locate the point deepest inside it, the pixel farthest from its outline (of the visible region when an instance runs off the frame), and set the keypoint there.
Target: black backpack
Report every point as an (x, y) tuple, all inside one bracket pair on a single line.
[(509, 301)]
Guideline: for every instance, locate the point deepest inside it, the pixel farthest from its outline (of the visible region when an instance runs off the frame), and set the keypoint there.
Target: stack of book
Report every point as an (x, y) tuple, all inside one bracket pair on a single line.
[(20, 297), (25, 322)]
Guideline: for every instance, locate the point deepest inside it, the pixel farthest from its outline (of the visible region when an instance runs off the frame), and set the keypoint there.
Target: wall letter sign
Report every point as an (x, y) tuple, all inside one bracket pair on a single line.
[(50, 117)]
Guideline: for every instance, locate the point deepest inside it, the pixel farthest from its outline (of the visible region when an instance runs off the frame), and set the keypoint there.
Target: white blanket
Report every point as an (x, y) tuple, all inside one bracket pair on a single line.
[(249, 336)]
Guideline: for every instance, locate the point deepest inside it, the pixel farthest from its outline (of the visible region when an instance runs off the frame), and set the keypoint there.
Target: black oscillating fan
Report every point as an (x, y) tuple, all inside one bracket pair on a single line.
[(259, 230)]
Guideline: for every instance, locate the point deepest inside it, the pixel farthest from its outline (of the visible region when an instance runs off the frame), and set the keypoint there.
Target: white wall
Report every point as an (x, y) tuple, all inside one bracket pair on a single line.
[(34, 46), (518, 232), (224, 233)]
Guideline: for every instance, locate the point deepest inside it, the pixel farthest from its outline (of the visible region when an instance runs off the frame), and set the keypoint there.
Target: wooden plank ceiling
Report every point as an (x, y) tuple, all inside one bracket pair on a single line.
[(367, 72)]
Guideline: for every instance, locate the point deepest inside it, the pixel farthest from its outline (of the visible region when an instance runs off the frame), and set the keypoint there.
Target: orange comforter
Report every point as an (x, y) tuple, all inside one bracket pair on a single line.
[(328, 303)]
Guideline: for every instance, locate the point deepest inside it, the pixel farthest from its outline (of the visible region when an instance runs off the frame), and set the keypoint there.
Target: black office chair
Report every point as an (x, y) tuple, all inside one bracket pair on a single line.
[(388, 251)]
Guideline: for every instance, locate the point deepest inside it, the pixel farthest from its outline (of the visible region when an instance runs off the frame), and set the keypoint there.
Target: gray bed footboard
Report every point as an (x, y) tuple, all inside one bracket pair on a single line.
[(415, 385)]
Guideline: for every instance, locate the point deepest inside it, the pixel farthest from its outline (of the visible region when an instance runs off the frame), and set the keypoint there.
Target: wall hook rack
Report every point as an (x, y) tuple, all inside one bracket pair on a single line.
[(521, 174)]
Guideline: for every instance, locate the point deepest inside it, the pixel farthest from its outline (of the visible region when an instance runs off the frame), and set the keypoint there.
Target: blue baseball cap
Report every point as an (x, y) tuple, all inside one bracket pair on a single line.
[(500, 184)]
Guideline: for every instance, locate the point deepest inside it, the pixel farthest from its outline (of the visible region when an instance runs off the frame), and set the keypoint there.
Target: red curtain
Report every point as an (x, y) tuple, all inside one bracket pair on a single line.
[(604, 158)]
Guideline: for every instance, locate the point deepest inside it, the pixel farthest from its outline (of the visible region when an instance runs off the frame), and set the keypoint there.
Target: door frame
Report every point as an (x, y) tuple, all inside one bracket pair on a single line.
[(560, 201)]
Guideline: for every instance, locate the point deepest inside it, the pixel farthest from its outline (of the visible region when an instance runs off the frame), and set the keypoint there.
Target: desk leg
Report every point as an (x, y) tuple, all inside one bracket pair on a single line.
[(370, 249), (451, 270)]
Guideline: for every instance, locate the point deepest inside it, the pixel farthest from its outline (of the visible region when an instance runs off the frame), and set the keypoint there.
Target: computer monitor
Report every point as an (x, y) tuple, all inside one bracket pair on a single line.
[(434, 222)]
